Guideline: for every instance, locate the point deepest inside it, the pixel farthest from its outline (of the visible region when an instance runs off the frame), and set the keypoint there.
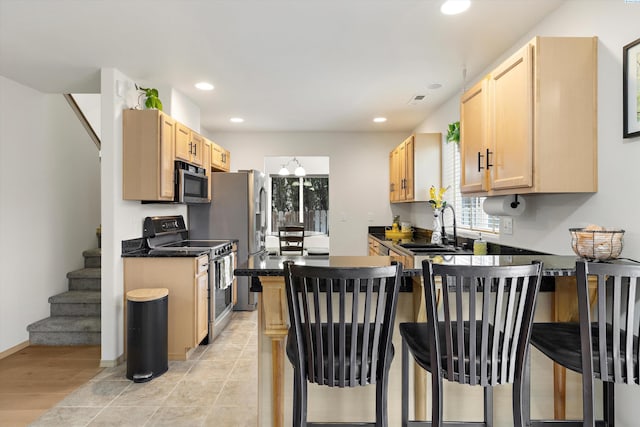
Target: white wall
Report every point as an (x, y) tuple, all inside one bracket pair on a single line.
[(49, 204), (544, 226), (121, 219), (358, 174)]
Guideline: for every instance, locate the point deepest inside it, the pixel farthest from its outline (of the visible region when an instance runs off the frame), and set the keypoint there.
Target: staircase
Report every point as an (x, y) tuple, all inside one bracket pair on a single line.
[(75, 314)]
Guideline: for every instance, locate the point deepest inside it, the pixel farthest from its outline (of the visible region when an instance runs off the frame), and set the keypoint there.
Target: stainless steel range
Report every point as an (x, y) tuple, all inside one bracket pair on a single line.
[(166, 234)]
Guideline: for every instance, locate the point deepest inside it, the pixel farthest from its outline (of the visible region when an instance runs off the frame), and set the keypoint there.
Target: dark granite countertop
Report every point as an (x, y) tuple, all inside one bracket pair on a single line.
[(269, 265), (465, 243)]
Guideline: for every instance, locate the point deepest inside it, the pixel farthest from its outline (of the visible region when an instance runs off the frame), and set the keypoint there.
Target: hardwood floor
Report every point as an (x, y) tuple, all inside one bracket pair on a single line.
[(37, 377)]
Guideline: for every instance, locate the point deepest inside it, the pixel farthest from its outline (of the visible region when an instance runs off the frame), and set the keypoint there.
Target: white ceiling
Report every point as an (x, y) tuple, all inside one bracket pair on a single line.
[(287, 65)]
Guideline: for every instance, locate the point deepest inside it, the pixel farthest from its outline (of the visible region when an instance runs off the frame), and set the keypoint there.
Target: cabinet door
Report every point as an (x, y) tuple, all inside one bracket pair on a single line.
[(394, 175), (473, 136), (409, 184), (167, 143), (402, 170), (202, 313), (206, 163), (216, 156), (183, 142), (395, 256), (197, 149), (511, 153), (226, 160)]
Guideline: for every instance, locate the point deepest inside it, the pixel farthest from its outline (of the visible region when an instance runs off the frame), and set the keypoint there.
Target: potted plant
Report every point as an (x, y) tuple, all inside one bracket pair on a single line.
[(453, 132), (152, 101)]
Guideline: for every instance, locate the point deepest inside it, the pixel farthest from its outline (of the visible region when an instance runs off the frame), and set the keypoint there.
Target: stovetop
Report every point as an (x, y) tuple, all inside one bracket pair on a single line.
[(218, 247), (168, 236)]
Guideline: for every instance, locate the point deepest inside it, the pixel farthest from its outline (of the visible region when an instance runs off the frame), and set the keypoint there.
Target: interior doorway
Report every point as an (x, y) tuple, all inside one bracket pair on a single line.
[(298, 193)]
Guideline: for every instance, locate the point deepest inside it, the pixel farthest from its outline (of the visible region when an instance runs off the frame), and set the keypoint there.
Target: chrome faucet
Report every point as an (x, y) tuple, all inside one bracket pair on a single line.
[(445, 240)]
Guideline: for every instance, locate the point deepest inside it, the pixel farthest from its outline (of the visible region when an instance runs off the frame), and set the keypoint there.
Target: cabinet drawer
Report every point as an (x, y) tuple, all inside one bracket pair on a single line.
[(202, 264)]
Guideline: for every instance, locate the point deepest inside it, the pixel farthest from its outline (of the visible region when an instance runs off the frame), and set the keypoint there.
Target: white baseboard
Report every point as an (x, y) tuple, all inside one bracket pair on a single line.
[(14, 349), (112, 363)]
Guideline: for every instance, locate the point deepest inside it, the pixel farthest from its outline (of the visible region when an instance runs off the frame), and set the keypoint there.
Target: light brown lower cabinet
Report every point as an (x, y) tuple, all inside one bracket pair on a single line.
[(187, 280)]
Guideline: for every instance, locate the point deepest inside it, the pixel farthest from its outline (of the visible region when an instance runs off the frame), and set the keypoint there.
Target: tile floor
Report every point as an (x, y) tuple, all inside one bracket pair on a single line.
[(217, 387)]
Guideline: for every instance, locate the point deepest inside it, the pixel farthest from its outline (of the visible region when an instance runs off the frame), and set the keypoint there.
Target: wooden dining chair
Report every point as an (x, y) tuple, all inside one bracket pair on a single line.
[(604, 344), (478, 337), (341, 329), (291, 238)]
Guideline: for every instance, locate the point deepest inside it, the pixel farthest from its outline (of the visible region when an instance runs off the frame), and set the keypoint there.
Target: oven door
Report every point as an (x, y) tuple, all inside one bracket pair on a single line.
[(220, 294), (192, 187)]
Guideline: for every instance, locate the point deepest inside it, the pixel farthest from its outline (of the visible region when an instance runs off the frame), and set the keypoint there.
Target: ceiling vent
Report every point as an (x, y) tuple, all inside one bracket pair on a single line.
[(417, 100)]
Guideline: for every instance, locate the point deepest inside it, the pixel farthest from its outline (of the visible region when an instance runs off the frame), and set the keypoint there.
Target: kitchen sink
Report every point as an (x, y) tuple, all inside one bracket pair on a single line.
[(422, 246), (431, 249), (422, 251)]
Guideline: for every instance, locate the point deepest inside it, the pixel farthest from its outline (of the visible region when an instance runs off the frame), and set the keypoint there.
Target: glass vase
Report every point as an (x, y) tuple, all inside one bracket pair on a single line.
[(436, 234)]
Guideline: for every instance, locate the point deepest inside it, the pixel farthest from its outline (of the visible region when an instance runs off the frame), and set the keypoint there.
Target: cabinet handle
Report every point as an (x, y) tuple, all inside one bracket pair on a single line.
[(480, 156), (489, 164), (190, 147), (195, 150)]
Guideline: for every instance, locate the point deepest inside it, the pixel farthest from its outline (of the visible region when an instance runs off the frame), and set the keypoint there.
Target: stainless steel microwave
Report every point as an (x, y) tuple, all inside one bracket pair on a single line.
[(192, 184)]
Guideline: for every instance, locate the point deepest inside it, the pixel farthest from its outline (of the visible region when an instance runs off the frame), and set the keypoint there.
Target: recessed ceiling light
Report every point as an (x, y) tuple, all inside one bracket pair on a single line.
[(453, 7), (236, 120), (380, 119), (433, 86), (204, 86)]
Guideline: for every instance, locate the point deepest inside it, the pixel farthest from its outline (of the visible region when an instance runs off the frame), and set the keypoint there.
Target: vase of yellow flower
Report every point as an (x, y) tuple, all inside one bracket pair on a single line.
[(437, 203)]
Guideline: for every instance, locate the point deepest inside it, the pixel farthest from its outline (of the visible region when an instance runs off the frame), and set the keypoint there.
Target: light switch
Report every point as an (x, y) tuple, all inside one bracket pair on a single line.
[(506, 225)]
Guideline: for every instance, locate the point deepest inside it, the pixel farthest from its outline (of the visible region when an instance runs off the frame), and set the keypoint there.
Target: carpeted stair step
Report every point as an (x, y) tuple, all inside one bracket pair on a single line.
[(92, 258), (65, 330), (76, 303), (85, 279)]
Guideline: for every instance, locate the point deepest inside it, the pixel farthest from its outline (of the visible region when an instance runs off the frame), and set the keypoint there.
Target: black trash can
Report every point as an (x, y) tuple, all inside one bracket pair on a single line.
[(147, 320)]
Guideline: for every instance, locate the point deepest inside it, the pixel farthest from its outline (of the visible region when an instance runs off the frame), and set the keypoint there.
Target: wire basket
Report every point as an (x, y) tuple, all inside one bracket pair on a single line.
[(596, 244)]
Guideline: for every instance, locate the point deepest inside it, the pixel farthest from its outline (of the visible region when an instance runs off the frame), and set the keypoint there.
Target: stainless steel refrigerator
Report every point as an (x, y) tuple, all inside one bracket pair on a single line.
[(237, 211)]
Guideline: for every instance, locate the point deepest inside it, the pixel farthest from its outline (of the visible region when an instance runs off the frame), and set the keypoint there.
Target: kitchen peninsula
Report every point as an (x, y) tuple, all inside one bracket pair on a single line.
[(275, 373)]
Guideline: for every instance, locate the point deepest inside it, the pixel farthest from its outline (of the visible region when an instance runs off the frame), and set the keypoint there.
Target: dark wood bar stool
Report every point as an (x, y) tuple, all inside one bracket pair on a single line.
[(604, 346), (479, 337), (341, 330)]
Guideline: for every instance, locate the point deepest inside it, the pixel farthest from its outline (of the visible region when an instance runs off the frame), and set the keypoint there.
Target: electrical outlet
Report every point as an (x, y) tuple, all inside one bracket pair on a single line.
[(506, 225)]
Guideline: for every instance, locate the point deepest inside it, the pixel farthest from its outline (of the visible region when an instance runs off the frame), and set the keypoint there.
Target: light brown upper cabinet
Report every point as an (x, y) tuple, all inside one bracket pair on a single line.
[(414, 166), (473, 131), (189, 145), (206, 163), (220, 158), (148, 138), (531, 125), (152, 141)]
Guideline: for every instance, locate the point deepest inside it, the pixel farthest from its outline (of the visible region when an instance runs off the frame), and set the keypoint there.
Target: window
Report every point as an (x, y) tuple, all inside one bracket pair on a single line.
[(469, 212), (300, 200)]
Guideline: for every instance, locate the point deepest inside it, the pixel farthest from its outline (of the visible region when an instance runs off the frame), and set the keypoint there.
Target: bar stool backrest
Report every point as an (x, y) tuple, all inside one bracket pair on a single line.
[(612, 328), (291, 239), (482, 329), (344, 319)]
